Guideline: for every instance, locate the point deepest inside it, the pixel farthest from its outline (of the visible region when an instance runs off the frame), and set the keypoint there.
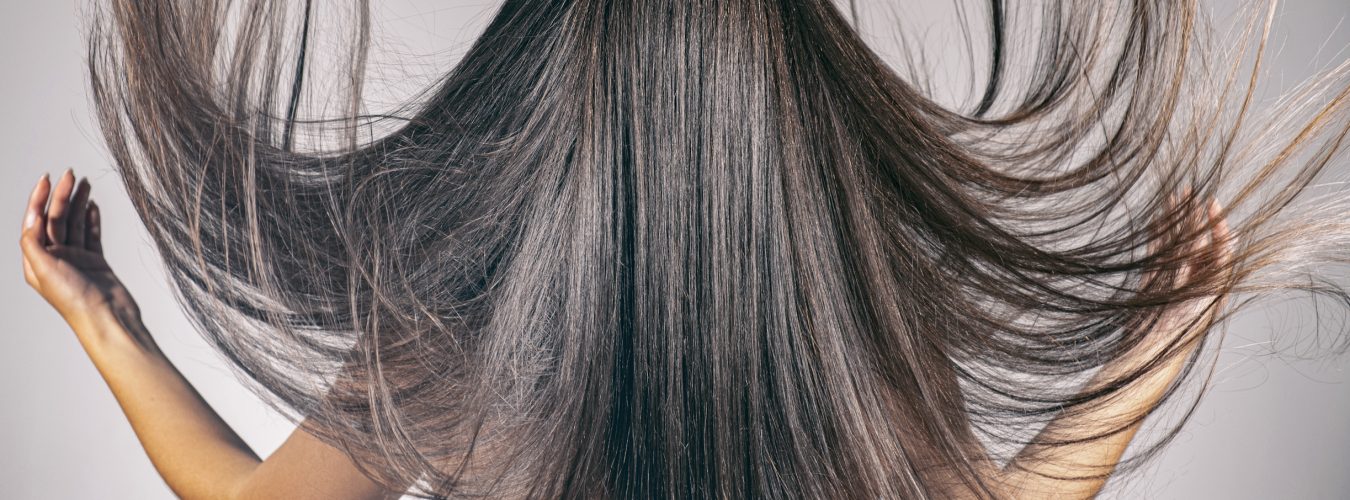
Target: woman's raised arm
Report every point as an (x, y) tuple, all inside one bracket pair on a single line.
[(196, 452), (1044, 471)]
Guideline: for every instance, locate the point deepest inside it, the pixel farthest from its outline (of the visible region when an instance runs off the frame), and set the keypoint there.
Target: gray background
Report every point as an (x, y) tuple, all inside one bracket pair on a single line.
[(1271, 427)]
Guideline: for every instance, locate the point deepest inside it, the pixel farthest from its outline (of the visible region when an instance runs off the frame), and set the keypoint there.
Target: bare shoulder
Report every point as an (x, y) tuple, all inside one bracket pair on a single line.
[(307, 467)]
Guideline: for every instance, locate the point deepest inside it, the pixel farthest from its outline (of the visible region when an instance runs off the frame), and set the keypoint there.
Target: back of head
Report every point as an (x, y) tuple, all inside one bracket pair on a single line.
[(690, 249)]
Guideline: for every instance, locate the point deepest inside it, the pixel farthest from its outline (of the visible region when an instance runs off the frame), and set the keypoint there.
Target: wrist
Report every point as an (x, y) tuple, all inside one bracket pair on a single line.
[(102, 328)]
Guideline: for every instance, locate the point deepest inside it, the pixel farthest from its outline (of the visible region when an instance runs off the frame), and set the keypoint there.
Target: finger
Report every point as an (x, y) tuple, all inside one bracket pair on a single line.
[(79, 207), (1195, 241), (1223, 246), (33, 240), (1220, 233), (59, 208), (35, 222), (1191, 240), (37, 202), (93, 238), (1158, 238), (1214, 256)]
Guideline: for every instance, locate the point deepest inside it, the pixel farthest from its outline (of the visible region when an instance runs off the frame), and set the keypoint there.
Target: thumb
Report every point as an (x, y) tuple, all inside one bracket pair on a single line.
[(32, 242)]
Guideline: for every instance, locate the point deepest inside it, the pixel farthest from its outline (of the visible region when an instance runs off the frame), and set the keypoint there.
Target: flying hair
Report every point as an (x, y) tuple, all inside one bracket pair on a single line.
[(696, 248)]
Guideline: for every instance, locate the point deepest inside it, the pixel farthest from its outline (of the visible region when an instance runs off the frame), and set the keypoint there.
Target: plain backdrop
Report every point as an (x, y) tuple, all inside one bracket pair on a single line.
[(1272, 427)]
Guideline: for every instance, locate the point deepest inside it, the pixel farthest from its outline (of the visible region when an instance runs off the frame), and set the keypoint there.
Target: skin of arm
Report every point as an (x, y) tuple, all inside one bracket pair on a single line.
[(197, 454)]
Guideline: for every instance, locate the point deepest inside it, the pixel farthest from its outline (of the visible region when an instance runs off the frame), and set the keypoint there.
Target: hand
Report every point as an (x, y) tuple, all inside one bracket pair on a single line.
[(1210, 247), (63, 257)]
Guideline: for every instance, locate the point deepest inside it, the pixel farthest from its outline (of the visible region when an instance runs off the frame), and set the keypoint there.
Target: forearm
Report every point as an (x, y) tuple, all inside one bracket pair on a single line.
[(196, 452), (1034, 471)]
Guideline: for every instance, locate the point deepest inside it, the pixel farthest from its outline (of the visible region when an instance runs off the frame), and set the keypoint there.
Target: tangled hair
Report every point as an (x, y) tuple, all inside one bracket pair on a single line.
[(690, 248)]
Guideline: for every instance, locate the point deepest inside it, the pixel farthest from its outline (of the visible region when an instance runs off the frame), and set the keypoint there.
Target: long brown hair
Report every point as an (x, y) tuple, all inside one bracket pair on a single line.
[(686, 248)]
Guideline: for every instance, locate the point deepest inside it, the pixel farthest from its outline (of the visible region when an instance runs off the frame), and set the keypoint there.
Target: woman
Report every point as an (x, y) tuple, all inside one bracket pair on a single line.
[(684, 250)]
